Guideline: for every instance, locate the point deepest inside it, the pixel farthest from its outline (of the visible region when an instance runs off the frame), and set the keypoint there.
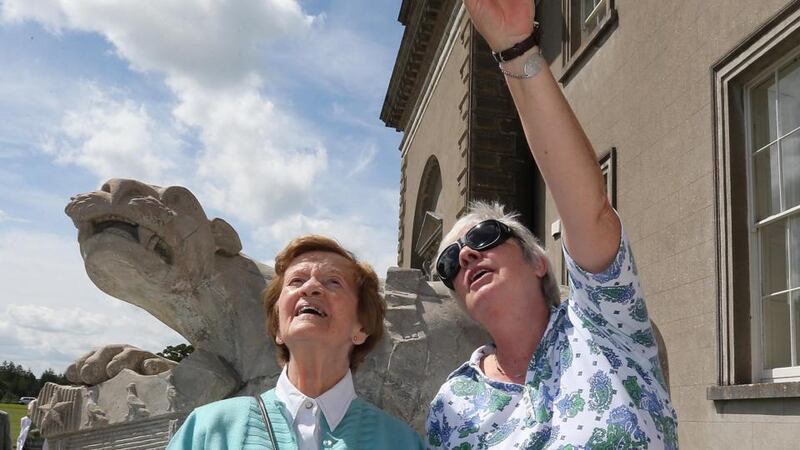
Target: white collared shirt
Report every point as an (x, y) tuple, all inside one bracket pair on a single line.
[(305, 411)]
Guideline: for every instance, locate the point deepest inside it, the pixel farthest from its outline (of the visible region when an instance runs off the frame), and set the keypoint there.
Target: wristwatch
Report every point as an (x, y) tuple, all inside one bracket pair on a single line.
[(519, 48)]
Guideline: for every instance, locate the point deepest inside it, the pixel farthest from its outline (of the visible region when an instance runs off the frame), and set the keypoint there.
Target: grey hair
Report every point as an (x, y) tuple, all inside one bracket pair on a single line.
[(532, 251)]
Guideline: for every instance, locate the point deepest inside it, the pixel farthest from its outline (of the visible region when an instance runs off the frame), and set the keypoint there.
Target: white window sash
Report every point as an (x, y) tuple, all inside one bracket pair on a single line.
[(776, 217), (760, 374), (774, 141), (780, 374), (601, 5)]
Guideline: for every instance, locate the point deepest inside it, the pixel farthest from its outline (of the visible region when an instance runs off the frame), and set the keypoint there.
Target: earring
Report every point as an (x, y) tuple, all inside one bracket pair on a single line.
[(355, 340), (278, 340)]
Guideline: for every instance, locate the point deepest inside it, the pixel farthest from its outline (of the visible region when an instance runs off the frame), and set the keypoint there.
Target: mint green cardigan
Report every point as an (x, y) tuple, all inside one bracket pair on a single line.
[(236, 423)]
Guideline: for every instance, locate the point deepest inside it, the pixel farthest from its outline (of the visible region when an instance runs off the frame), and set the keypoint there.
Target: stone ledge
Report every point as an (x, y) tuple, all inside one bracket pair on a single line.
[(754, 391)]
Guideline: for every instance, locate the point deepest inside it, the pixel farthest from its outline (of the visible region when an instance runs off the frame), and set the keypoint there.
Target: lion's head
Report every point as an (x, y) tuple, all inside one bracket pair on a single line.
[(155, 239)]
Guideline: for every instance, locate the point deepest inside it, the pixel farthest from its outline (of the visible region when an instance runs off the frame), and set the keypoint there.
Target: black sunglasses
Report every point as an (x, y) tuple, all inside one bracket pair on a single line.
[(483, 236)]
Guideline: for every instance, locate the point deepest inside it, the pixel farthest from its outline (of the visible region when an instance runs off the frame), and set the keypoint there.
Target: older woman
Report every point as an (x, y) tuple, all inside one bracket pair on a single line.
[(325, 315), (583, 374)]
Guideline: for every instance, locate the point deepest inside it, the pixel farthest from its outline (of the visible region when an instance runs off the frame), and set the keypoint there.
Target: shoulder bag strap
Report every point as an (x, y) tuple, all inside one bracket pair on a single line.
[(267, 423)]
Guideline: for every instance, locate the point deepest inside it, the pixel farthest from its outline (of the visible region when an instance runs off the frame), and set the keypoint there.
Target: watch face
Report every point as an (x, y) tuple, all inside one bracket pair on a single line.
[(533, 64)]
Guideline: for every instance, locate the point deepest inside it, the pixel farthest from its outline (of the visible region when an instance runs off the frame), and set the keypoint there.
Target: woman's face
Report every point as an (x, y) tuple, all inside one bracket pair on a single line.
[(491, 281), (318, 303)]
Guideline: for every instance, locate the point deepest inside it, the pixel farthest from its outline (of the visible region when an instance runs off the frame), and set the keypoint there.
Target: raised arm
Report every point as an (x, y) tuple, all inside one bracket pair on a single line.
[(591, 229)]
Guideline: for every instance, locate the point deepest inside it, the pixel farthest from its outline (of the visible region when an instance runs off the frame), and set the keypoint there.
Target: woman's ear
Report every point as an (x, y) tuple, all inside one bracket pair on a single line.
[(540, 267), (360, 337)]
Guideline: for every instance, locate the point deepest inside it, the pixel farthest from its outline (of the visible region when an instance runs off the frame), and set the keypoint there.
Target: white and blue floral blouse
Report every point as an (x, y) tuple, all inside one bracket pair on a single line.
[(594, 381)]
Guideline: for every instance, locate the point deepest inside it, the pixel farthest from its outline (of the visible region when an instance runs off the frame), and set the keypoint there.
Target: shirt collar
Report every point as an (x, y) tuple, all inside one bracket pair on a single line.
[(481, 352), (333, 403)]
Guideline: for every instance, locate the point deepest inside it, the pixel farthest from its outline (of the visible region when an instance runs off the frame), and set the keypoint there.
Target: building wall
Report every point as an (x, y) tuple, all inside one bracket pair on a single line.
[(647, 91), (440, 131), (469, 124), (501, 167)]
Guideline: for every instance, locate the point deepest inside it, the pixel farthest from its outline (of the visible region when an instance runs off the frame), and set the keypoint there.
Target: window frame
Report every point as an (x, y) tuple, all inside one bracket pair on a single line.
[(759, 373), (601, 5), (608, 166), (572, 59), (769, 43)]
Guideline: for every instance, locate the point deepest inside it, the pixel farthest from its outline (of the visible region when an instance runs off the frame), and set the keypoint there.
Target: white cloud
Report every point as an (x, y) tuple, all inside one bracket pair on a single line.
[(52, 313), (6, 218), (31, 103), (55, 320), (373, 244), (253, 161), (211, 41), (47, 12), (365, 158), (226, 136), (257, 162), (342, 60), (113, 138)]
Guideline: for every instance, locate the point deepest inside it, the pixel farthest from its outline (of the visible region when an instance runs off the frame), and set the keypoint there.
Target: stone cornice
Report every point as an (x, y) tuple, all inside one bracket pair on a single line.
[(425, 21)]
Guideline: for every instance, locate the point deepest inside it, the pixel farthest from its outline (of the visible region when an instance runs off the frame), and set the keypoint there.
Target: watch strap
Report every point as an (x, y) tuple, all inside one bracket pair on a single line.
[(519, 48)]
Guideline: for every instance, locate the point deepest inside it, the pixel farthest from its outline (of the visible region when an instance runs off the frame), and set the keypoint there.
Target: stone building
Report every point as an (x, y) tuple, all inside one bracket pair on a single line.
[(694, 110)]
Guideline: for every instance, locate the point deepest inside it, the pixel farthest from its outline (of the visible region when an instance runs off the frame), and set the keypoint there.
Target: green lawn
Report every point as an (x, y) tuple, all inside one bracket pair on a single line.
[(15, 413)]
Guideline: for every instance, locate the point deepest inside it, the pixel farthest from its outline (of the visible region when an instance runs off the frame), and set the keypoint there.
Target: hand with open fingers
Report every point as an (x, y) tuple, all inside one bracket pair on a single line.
[(502, 23)]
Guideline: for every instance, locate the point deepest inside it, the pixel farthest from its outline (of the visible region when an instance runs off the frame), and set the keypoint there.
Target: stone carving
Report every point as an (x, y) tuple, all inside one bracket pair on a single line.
[(54, 412), (119, 409), (153, 366), (136, 407), (95, 416), (105, 363), (154, 247), (57, 410), (172, 394), (173, 428)]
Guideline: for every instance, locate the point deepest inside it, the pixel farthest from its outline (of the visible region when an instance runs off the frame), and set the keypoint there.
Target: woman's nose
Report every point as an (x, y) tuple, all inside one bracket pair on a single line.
[(468, 255), (312, 287)]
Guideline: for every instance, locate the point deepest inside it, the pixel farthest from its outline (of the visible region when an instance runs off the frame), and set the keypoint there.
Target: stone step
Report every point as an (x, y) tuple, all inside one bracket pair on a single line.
[(152, 434)]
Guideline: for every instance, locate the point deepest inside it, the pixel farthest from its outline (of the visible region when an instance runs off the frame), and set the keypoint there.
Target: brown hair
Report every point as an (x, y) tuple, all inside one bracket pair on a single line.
[(371, 306)]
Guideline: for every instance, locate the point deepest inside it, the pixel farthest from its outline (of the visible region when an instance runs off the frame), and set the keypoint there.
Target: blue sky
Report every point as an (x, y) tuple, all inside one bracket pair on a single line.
[(266, 109)]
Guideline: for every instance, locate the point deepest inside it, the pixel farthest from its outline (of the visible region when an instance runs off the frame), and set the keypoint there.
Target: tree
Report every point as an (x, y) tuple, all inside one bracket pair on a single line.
[(51, 376), (6, 396), (176, 353), (16, 381)]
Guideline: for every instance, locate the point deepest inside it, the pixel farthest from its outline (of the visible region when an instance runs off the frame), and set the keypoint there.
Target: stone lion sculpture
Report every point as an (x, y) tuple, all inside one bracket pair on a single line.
[(154, 247)]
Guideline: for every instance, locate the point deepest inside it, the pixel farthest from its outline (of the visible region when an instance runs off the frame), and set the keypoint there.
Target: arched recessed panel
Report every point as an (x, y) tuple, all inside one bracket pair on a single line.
[(427, 232)]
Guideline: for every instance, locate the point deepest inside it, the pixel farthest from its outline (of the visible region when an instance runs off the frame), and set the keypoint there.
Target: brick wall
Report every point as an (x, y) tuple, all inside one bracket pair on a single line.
[(500, 164)]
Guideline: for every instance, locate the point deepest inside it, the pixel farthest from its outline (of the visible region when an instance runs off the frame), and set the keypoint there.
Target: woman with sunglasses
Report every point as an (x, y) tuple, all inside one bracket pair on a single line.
[(582, 374), (325, 315)]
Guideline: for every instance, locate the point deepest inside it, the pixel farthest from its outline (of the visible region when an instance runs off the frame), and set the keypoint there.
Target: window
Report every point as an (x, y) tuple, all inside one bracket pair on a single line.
[(773, 118), (756, 107), (593, 13), (608, 165), (587, 22)]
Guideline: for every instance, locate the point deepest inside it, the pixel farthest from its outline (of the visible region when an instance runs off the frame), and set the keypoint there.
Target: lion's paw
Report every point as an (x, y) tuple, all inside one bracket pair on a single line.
[(106, 362)]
